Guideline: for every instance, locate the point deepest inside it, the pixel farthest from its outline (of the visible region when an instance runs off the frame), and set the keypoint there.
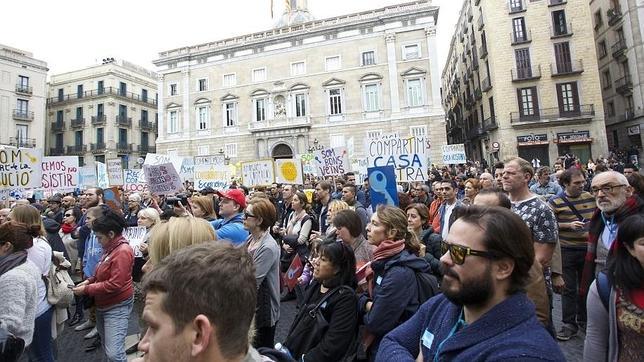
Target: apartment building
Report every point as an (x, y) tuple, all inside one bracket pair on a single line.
[(305, 84), (23, 93), (521, 79), (102, 112), (618, 32)]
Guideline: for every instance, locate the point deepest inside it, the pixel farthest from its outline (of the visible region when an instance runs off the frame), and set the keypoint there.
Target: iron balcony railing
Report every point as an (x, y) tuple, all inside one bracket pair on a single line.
[(98, 147), (147, 149), (124, 121), (147, 125), (57, 151), (486, 85), (124, 147), (614, 15), (22, 142), (556, 2), (490, 124), (549, 114), (624, 85), (526, 73), (618, 48), (24, 89), (23, 115), (98, 120), (106, 91), (77, 123), (566, 68), (58, 126), (76, 149), (561, 30), (522, 37)]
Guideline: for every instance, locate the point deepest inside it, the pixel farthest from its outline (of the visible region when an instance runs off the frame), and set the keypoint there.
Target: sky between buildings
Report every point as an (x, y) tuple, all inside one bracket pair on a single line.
[(74, 34)]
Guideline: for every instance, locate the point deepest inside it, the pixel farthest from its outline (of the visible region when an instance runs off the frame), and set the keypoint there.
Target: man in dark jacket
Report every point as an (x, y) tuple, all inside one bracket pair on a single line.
[(483, 312)]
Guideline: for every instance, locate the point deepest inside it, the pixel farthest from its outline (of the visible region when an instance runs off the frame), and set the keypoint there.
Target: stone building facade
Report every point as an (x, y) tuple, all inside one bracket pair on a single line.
[(521, 79), (313, 83)]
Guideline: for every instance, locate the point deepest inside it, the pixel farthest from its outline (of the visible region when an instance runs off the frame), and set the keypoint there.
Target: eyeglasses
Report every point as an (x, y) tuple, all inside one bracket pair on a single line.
[(459, 252), (605, 189), (248, 214)]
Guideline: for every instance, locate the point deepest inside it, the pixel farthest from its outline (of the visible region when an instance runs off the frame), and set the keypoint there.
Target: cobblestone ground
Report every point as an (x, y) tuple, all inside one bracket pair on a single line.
[(71, 345)]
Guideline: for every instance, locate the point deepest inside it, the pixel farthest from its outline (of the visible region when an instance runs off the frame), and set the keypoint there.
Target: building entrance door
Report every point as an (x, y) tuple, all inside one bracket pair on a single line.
[(282, 150)]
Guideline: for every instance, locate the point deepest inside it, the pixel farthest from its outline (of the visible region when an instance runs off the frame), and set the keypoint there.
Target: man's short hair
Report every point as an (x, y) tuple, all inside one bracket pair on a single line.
[(325, 185), (637, 183), (214, 279), (544, 170), (524, 166), (503, 199), (506, 235), (99, 192), (353, 188), (451, 182), (499, 165), (566, 176)]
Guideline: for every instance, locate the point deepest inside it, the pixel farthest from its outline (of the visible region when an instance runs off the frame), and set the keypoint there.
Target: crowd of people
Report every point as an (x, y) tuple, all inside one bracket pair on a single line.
[(464, 267)]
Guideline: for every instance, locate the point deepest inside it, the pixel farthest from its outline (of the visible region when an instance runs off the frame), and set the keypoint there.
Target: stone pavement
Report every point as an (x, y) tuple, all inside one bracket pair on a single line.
[(71, 345)]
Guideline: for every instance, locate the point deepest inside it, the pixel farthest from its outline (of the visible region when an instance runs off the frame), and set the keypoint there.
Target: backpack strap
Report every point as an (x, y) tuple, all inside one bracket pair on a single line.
[(603, 288)]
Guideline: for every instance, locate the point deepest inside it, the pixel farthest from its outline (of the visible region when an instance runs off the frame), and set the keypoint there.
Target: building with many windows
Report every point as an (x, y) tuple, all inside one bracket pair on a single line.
[(618, 32), (23, 93), (521, 78), (102, 112), (331, 82)]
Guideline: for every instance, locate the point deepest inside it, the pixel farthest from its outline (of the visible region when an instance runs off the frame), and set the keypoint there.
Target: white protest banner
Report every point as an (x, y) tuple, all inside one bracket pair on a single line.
[(101, 176), (135, 237), (187, 169), (115, 172), (88, 177), (20, 168), (408, 155), (162, 179), (288, 171), (454, 154), (159, 159), (134, 181), (211, 176), (60, 173), (258, 173), (332, 161), (215, 160)]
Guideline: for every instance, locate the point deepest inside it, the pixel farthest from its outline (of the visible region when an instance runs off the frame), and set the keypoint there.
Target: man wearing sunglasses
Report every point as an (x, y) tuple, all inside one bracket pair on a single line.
[(484, 310)]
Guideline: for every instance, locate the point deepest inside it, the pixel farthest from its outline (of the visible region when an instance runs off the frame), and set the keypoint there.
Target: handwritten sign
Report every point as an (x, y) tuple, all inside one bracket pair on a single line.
[(211, 176), (454, 154), (134, 181), (382, 186), (159, 159), (408, 156), (288, 171), (20, 168), (101, 175), (60, 173), (87, 177), (135, 236), (187, 169), (115, 172), (162, 179), (258, 173), (332, 161)]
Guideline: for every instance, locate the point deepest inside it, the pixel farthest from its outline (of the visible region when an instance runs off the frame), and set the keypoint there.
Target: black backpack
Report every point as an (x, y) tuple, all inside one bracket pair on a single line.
[(427, 286)]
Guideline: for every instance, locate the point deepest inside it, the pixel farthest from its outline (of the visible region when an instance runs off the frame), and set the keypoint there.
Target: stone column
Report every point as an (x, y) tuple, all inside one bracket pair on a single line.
[(161, 130), (432, 50), (186, 130), (390, 39)]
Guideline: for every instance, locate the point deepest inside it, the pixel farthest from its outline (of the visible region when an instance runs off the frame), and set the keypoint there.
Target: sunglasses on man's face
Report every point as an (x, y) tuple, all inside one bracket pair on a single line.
[(459, 252)]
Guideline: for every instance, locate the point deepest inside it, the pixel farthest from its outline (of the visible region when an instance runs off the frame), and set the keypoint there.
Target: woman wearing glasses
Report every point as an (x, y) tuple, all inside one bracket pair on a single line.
[(391, 300), (70, 219), (259, 216)]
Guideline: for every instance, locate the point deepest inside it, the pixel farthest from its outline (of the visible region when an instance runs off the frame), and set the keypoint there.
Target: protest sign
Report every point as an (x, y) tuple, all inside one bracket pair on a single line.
[(87, 177), (454, 154), (187, 169), (135, 237), (408, 155), (309, 195), (288, 171), (211, 176), (159, 159), (112, 198), (101, 175), (20, 168), (115, 172), (382, 186), (258, 173), (162, 179), (332, 161), (134, 181), (60, 173)]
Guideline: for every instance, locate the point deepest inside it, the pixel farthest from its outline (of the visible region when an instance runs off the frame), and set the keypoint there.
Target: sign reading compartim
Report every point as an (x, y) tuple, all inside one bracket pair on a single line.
[(408, 156)]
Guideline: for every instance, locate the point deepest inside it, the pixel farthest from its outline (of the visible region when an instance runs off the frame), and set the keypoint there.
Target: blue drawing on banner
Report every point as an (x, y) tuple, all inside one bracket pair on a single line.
[(382, 182)]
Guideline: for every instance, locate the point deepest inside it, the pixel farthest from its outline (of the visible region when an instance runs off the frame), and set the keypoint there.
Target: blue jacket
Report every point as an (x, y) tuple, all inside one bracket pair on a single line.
[(509, 331), (394, 301), (92, 255), (231, 229)]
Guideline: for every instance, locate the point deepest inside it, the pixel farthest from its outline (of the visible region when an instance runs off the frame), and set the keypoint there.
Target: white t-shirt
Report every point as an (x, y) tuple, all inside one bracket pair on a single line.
[(448, 213), (40, 254)]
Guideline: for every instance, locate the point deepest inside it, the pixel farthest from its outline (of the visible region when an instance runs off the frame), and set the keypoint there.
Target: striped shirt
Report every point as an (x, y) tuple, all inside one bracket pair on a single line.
[(585, 204)]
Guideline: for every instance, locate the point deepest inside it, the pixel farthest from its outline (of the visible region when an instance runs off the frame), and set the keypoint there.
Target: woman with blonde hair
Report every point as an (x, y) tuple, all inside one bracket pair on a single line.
[(178, 233), (203, 207)]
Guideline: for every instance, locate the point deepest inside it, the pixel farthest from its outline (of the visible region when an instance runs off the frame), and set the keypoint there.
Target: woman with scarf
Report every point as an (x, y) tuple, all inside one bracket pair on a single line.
[(70, 219), (390, 300), (18, 280)]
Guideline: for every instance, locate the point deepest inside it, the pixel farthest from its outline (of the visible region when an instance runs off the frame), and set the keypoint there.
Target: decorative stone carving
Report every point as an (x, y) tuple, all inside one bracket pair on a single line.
[(280, 107)]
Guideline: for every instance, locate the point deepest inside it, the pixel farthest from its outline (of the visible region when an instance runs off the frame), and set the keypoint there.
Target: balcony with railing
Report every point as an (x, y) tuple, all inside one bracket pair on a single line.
[(619, 48), (98, 147), (624, 85), (521, 37), (475, 132), (77, 123), (123, 147), (57, 151), (584, 111), (561, 31), (23, 115), (567, 68), (556, 2), (24, 89), (475, 61), (124, 121), (58, 126), (486, 84), (143, 149), (98, 120), (280, 123), (516, 6), (147, 125), (478, 94), (614, 15), (76, 150), (526, 73), (483, 50), (481, 23), (22, 142), (489, 124), (104, 92)]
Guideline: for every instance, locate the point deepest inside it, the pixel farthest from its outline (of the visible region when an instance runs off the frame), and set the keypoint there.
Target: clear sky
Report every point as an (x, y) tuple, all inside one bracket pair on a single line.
[(73, 34)]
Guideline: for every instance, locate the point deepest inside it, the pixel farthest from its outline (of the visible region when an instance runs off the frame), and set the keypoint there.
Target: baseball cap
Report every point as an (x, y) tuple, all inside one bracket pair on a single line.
[(236, 195)]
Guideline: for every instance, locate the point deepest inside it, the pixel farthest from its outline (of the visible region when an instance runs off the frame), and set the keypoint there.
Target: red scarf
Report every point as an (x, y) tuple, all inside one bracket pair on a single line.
[(67, 228), (386, 249)]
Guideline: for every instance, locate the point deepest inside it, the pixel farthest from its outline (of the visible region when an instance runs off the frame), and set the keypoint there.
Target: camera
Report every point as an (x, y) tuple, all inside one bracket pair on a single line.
[(174, 201)]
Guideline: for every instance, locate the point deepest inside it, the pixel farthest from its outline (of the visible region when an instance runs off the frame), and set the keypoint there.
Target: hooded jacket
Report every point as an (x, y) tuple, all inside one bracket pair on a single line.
[(54, 239), (394, 301), (231, 229)]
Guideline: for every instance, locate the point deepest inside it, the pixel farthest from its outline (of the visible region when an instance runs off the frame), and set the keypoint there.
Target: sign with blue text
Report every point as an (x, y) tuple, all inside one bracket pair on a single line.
[(454, 154), (382, 186), (258, 173), (101, 175), (408, 155)]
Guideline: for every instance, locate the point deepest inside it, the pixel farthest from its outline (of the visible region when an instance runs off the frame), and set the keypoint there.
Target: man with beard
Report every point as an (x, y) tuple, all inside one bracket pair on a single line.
[(483, 312), (498, 175)]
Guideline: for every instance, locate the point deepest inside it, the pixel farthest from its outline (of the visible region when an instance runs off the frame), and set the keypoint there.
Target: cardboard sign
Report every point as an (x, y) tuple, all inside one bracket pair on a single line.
[(258, 173), (187, 170), (20, 168), (382, 186), (162, 179), (134, 181), (102, 180), (115, 172), (159, 159), (135, 237), (60, 173), (332, 161), (211, 176), (87, 177), (288, 171), (112, 198), (408, 156), (454, 154)]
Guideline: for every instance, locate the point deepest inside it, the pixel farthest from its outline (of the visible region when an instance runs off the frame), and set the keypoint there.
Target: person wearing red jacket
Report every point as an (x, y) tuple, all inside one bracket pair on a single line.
[(111, 286)]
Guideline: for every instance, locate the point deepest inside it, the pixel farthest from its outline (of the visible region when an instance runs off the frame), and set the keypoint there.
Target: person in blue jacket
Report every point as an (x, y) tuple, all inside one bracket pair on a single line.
[(483, 313), (231, 207), (393, 296)]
